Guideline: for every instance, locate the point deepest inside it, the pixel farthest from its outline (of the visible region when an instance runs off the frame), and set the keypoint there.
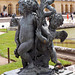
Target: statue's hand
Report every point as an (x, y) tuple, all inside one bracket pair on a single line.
[(16, 54), (50, 38), (38, 33)]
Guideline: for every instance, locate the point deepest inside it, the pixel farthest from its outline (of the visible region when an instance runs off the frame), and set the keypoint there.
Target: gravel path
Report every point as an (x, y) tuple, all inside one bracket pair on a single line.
[(3, 61), (2, 33)]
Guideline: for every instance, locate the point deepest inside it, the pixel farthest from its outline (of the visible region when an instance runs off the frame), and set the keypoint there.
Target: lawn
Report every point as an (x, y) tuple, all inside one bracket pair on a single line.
[(11, 66), (3, 30), (7, 41)]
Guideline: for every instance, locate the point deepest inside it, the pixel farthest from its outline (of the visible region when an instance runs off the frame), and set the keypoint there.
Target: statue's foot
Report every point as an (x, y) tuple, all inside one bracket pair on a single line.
[(20, 71), (58, 66), (31, 65)]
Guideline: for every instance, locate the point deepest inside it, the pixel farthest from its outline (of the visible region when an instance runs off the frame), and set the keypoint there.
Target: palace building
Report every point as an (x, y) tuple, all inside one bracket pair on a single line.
[(64, 6), (12, 6), (61, 6)]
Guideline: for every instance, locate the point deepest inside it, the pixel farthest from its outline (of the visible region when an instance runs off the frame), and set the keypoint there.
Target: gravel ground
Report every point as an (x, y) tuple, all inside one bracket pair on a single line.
[(3, 61)]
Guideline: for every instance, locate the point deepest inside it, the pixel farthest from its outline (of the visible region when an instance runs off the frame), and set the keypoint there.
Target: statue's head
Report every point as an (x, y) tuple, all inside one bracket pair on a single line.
[(56, 20), (26, 6), (13, 15)]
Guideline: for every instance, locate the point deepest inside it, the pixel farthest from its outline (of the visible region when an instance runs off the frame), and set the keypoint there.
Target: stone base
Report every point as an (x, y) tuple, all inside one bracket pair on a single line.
[(40, 71), (37, 71), (12, 72), (13, 28)]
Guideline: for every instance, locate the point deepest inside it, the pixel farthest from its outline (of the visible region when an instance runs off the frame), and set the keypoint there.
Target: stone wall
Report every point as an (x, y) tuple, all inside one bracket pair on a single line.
[(65, 49)]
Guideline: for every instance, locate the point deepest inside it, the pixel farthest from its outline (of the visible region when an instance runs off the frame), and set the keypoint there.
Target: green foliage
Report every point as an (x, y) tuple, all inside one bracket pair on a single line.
[(3, 30), (64, 62), (11, 66), (7, 41)]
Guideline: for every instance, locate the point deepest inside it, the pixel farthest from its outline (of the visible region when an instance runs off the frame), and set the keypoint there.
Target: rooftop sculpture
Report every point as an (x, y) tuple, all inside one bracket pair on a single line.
[(34, 42)]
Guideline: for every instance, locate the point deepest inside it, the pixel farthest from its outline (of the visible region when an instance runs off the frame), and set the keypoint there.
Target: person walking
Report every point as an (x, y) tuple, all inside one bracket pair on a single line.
[(67, 16), (71, 16)]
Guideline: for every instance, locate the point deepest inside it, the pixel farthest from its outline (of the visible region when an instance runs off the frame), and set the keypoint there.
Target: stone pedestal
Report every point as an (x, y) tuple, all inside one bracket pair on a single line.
[(37, 71), (13, 28), (42, 71)]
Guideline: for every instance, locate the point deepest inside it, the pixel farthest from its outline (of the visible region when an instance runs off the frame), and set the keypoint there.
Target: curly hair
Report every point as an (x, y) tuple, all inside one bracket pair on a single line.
[(29, 4), (59, 17)]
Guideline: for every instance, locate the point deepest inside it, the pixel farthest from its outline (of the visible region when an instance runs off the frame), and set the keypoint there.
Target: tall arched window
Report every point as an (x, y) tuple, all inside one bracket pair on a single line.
[(71, 8), (10, 9), (17, 12), (61, 8), (66, 8)]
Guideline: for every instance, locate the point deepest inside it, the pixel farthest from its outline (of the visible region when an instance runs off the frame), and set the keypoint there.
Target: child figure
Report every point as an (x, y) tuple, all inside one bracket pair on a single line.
[(46, 38)]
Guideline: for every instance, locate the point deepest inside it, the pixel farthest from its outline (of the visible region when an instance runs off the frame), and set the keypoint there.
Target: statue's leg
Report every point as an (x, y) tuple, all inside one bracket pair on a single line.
[(53, 54), (24, 63), (46, 58), (23, 51), (25, 46), (54, 58)]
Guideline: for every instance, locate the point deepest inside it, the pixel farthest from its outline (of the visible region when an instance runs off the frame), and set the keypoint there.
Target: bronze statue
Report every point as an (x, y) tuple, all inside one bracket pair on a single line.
[(34, 42), (45, 42), (25, 33)]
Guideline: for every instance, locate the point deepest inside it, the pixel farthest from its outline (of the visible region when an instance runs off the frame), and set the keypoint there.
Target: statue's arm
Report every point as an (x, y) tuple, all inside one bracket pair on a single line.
[(46, 33), (51, 12), (62, 35), (47, 14), (42, 38), (51, 8), (17, 40), (17, 34), (49, 2)]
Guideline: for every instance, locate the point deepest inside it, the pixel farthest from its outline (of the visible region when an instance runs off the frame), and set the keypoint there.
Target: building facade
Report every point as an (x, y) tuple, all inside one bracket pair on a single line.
[(64, 6), (12, 6), (61, 6)]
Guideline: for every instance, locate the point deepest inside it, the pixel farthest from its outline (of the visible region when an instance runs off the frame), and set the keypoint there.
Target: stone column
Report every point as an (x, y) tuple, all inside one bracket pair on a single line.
[(1, 8), (14, 9), (63, 8), (69, 8)]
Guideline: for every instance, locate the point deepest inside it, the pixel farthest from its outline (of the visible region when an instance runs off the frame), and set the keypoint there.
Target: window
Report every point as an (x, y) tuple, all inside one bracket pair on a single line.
[(70, 8), (66, 8), (61, 8), (10, 9), (17, 12)]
